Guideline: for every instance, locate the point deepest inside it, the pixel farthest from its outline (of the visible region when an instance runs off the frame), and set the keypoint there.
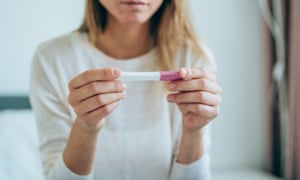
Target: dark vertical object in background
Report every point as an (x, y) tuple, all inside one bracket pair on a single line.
[(278, 125), (276, 143), (275, 165), (276, 136), (284, 158)]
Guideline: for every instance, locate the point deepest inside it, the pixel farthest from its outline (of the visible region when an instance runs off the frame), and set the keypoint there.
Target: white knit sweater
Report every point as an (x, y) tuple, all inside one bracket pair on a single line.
[(140, 138)]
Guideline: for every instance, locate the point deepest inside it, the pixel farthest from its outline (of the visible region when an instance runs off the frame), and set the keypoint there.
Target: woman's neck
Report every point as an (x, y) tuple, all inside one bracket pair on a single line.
[(123, 41)]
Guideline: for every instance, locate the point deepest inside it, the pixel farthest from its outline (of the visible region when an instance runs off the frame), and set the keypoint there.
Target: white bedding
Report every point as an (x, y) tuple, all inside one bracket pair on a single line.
[(20, 160), (19, 156)]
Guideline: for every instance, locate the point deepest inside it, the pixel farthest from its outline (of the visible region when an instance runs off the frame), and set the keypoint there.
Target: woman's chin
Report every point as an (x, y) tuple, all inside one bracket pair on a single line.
[(137, 19)]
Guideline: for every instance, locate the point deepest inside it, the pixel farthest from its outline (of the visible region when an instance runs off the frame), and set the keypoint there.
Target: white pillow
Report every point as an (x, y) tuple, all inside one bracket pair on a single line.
[(19, 154)]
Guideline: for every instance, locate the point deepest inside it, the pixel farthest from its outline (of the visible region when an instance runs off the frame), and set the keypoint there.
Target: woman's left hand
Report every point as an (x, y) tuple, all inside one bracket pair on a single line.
[(198, 97)]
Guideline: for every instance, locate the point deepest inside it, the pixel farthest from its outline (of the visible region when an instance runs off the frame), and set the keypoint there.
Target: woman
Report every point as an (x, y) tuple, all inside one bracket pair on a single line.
[(93, 126)]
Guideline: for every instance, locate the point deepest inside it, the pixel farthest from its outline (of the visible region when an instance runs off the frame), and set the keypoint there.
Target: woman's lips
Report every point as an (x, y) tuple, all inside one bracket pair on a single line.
[(133, 3)]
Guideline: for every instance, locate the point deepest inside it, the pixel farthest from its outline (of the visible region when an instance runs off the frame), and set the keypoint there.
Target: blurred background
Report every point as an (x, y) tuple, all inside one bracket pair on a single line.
[(233, 29)]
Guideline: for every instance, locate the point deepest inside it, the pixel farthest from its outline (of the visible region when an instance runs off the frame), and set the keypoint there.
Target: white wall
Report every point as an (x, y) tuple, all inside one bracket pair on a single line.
[(234, 31), (232, 28), (25, 24)]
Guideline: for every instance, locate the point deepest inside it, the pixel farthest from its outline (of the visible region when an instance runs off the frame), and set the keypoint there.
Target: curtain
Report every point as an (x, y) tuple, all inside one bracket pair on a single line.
[(274, 13), (282, 65), (293, 154)]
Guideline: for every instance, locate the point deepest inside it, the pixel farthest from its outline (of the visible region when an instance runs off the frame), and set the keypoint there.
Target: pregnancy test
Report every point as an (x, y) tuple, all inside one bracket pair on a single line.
[(150, 76)]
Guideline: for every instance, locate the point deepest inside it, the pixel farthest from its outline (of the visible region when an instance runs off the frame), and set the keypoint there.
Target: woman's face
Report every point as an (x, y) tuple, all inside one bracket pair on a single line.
[(131, 11)]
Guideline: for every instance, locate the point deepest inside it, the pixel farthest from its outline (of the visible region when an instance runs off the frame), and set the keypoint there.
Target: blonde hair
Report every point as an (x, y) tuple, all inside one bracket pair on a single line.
[(170, 26)]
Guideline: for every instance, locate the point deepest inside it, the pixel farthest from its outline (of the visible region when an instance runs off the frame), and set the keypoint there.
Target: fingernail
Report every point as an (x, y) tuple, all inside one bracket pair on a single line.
[(123, 94), (124, 86), (171, 98), (186, 74), (116, 72), (171, 85), (184, 71)]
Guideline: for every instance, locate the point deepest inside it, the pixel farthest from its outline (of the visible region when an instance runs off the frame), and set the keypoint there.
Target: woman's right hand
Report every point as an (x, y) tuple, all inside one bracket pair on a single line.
[(94, 94)]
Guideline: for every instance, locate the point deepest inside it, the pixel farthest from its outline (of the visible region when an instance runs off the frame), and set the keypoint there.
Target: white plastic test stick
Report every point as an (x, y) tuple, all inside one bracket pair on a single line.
[(139, 76)]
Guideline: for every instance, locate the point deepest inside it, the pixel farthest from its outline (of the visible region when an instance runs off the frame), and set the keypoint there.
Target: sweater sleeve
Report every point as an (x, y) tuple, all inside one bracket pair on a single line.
[(199, 169), (52, 118)]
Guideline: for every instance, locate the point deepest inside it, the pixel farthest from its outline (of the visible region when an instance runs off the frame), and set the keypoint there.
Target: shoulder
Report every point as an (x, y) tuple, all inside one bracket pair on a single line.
[(200, 56), (56, 47), (208, 61)]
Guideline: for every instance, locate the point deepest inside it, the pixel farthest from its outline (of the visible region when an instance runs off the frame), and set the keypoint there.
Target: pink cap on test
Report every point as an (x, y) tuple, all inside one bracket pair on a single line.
[(170, 76)]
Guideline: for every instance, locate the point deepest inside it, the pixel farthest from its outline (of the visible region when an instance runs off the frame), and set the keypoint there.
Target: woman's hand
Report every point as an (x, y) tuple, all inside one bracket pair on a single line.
[(198, 97), (94, 94)]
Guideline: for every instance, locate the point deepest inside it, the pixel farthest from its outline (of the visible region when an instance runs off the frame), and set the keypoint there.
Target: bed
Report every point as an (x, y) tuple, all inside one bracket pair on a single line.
[(19, 155)]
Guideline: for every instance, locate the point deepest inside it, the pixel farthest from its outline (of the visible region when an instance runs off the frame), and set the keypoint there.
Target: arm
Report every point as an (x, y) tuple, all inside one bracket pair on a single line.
[(80, 149), (198, 98), (191, 147), (94, 94), (64, 144)]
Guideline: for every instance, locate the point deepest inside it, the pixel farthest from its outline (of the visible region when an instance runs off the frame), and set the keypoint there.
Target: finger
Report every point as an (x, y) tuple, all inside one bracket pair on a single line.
[(200, 97), (98, 114), (195, 73), (96, 102), (195, 85), (94, 75), (202, 110), (94, 88)]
